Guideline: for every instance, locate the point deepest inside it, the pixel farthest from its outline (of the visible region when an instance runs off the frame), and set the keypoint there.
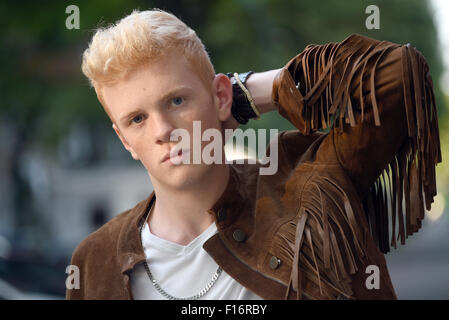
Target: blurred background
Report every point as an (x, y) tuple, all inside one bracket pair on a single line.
[(64, 173)]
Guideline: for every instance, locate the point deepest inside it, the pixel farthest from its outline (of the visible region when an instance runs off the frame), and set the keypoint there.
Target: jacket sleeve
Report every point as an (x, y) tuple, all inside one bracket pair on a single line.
[(377, 97)]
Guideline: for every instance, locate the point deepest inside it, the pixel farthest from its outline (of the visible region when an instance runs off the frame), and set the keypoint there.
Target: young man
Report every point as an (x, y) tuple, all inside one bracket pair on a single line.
[(311, 230)]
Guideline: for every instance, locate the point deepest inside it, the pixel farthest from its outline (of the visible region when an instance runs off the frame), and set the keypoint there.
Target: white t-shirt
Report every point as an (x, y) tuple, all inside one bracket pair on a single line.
[(183, 271)]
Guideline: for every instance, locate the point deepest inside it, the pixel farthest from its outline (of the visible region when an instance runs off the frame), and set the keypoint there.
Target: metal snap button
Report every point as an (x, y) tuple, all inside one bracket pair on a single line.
[(274, 262), (239, 235)]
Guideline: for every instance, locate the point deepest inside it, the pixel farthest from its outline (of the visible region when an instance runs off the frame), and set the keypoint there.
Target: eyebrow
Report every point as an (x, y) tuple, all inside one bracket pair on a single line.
[(164, 98)]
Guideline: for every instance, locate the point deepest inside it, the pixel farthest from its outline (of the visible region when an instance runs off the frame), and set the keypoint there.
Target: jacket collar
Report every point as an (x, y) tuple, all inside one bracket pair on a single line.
[(232, 197), (129, 247)]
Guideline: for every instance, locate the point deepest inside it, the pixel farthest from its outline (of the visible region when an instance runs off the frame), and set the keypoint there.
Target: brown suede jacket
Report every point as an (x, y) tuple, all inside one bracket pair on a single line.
[(310, 230)]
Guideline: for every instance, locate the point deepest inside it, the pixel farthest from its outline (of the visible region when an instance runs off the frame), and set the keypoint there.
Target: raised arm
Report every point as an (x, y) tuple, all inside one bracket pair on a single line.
[(378, 98)]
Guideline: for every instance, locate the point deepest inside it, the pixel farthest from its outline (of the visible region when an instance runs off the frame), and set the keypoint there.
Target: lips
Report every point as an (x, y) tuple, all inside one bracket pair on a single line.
[(175, 155)]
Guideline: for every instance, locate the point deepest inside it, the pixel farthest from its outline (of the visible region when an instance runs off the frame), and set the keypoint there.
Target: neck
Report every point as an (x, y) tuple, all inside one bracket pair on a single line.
[(180, 215)]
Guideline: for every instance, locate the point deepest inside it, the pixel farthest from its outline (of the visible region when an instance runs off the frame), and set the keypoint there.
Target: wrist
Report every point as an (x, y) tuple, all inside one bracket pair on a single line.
[(260, 86)]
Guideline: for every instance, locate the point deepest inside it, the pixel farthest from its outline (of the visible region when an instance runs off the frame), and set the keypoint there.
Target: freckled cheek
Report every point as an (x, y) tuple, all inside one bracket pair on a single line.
[(208, 116), (185, 117), (145, 149)]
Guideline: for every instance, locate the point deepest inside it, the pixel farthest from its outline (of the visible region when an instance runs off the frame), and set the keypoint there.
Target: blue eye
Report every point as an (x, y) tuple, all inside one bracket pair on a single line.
[(177, 101), (137, 119)]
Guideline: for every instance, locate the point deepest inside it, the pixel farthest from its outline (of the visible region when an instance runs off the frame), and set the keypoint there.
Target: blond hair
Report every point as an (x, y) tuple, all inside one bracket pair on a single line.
[(137, 39)]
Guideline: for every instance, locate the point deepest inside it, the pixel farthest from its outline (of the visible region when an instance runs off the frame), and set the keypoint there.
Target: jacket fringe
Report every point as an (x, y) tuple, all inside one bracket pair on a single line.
[(327, 245), (327, 242), (413, 167)]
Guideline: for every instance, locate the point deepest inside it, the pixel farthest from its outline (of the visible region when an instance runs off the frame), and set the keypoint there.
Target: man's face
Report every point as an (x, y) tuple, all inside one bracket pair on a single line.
[(155, 100)]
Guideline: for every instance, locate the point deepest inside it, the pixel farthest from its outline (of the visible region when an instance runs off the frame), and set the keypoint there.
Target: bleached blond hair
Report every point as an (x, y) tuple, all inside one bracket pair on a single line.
[(138, 39)]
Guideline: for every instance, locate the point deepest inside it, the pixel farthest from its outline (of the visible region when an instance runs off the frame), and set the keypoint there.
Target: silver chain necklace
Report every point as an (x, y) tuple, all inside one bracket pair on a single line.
[(165, 293)]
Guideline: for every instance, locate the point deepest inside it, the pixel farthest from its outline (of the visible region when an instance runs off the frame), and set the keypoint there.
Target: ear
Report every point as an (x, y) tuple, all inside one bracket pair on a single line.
[(124, 142), (223, 96)]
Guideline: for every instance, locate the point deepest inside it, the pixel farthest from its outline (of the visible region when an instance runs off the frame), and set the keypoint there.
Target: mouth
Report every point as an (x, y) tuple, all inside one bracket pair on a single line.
[(175, 157)]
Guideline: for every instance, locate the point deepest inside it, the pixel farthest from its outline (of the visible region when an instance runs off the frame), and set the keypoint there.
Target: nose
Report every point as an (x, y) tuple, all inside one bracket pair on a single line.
[(162, 128)]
